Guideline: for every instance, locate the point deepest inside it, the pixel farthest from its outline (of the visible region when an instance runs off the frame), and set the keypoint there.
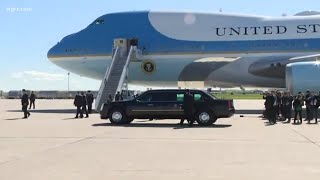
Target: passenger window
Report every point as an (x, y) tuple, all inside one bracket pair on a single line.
[(180, 97), (159, 97), (145, 98), (164, 96), (171, 96), (152, 97), (197, 97)]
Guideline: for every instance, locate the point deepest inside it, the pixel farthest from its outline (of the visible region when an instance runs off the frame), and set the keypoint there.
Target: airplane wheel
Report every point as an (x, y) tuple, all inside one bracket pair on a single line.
[(205, 118)]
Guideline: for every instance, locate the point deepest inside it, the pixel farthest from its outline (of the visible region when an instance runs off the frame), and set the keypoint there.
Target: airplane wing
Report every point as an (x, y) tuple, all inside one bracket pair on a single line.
[(275, 67)]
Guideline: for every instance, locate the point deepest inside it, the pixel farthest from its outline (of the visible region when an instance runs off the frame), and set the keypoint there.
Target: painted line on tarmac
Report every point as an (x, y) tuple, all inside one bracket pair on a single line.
[(305, 137)]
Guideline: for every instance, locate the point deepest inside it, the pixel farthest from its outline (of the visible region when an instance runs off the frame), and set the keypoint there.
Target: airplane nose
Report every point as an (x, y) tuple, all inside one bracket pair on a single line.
[(59, 48), (51, 52), (54, 51)]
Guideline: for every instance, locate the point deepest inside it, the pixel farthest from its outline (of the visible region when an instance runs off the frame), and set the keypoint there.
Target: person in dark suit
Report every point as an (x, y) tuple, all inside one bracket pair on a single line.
[(270, 110), (279, 105), (90, 99), (84, 105), (32, 100), (78, 103), (307, 100), (317, 97), (297, 106), (118, 97), (287, 106), (188, 108), (313, 107), (264, 112), (25, 103)]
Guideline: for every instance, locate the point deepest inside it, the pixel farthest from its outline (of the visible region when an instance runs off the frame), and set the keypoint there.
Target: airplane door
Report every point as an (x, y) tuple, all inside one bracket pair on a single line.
[(133, 42), (123, 43)]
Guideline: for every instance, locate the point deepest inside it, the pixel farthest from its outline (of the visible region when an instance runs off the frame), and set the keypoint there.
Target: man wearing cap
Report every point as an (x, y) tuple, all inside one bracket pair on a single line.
[(25, 103)]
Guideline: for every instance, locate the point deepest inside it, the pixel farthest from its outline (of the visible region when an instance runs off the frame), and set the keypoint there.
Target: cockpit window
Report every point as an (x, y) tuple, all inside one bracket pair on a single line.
[(98, 21)]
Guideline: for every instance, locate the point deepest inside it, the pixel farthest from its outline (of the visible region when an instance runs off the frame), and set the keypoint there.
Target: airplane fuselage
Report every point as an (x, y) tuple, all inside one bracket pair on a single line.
[(174, 41)]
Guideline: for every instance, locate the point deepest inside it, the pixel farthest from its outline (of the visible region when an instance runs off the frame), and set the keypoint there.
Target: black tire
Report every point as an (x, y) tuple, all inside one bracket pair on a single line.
[(117, 116), (205, 118)]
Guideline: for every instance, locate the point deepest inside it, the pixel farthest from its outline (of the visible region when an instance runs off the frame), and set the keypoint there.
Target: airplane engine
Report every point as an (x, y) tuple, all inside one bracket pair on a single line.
[(301, 76)]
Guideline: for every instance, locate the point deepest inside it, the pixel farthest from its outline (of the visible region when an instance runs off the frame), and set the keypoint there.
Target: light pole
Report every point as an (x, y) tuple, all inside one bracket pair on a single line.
[(68, 81)]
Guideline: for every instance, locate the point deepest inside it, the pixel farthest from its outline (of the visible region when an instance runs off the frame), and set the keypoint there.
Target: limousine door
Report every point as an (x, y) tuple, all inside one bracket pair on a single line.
[(156, 104), (142, 106)]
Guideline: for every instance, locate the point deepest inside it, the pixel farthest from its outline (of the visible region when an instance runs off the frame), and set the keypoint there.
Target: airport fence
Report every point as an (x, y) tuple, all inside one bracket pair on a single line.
[(46, 94)]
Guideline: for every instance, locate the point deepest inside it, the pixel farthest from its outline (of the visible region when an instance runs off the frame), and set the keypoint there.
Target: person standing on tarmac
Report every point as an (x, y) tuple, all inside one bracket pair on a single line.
[(90, 99), (275, 108), (84, 105), (264, 112), (297, 106), (188, 108), (270, 100), (287, 106), (313, 108), (307, 100), (25, 103), (32, 100), (317, 97), (78, 103), (279, 105)]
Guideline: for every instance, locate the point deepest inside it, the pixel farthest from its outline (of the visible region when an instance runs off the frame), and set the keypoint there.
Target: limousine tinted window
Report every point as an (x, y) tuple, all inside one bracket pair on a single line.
[(158, 96)]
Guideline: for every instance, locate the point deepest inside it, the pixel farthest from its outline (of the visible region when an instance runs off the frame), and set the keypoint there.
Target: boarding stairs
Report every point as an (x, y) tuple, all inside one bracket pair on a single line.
[(115, 75)]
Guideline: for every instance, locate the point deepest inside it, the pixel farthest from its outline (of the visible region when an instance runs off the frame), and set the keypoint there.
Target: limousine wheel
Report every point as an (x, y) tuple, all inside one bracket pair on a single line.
[(117, 116), (205, 118)]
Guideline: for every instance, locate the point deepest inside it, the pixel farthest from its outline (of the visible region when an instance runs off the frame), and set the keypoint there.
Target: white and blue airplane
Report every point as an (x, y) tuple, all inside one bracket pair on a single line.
[(244, 50)]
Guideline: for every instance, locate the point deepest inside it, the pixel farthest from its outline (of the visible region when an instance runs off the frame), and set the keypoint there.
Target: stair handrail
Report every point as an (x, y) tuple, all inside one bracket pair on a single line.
[(125, 68), (105, 79), (112, 63)]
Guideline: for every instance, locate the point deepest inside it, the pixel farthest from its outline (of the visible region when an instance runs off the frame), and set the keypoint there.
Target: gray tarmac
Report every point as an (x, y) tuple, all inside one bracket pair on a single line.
[(52, 145)]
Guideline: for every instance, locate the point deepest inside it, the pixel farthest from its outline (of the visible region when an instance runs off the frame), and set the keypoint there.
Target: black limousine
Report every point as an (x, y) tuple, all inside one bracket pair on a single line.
[(167, 104)]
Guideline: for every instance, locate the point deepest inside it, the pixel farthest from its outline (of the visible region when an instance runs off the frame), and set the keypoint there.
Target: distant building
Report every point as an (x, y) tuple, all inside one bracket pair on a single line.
[(14, 94)]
